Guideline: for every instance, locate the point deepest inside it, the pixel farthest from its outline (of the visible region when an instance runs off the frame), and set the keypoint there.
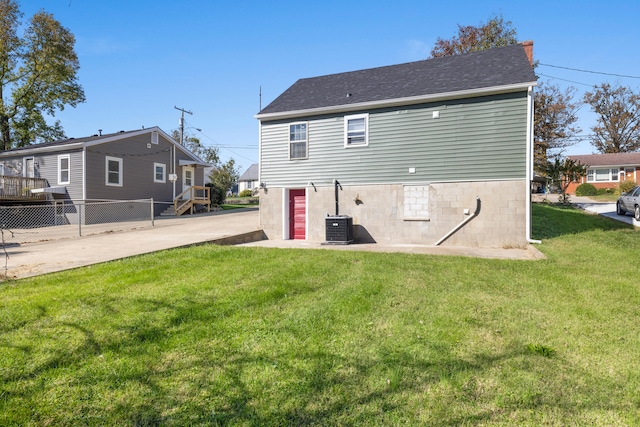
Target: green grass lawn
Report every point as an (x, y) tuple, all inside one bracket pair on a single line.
[(254, 336)]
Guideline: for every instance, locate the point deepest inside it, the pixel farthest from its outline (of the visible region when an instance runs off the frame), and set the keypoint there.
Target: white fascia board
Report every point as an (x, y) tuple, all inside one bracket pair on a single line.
[(397, 102)]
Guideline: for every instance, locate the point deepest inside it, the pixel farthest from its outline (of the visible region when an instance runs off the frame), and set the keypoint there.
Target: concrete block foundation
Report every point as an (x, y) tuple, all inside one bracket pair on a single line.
[(409, 214)]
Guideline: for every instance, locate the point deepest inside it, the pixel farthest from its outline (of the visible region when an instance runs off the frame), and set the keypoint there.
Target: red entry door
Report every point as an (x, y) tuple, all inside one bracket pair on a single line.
[(297, 214)]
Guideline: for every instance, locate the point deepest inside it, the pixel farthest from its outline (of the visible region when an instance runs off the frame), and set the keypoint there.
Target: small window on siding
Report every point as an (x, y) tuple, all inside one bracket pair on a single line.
[(64, 169), (356, 130), (154, 137), (298, 139), (159, 172), (113, 171)]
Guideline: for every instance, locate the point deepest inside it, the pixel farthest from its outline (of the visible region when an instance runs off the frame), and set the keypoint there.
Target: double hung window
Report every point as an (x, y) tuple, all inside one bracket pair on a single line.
[(64, 169), (113, 171), (356, 130), (298, 141), (159, 172)]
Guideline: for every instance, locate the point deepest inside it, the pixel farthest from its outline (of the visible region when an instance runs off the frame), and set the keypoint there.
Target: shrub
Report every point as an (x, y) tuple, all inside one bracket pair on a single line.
[(626, 185), (245, 193), (603, 191), (216, 194), (586, 189)]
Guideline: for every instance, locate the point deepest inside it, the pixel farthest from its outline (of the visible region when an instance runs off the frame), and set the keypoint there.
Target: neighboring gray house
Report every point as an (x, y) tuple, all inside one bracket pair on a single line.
[(128, 165), (249, 179), (405, 151)]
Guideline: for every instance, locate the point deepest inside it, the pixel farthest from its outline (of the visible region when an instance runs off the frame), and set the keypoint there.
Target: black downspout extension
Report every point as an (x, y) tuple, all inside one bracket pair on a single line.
[(336, 184)]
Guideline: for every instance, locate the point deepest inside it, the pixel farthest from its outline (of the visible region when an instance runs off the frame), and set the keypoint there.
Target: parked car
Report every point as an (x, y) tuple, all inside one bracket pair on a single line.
[(629, 202)]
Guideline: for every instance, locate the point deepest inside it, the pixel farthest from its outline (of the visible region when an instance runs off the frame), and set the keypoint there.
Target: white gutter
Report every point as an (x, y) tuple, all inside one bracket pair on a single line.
[(529, 164), (397, 101)]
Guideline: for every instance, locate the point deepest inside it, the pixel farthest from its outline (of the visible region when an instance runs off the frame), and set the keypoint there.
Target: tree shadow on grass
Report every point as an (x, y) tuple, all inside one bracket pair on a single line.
[(549, 221)]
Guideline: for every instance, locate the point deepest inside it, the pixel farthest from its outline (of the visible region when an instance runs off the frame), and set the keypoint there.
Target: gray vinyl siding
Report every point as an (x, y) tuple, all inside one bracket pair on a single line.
[(137, 169), (475, 139), (46, 166)]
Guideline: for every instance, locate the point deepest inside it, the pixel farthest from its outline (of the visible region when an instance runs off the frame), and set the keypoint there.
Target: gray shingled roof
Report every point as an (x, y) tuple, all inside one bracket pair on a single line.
[(491, 68), (612, 159), (69, 141), (250, 174)]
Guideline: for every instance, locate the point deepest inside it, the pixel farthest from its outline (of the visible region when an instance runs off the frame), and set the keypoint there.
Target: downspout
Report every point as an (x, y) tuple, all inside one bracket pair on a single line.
[(173, 168), (529, 164), (84, 173), (462, 224)]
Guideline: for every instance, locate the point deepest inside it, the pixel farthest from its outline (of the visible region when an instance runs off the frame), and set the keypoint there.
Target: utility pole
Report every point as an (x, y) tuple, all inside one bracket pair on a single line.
[(182, 123), (174, 176)]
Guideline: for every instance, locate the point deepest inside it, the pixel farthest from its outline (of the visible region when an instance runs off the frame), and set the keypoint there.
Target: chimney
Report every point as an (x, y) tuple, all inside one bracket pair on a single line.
[(528, 49)]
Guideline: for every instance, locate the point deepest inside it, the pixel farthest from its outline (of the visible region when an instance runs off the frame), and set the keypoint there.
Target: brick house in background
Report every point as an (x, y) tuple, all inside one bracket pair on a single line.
[(607, 170)]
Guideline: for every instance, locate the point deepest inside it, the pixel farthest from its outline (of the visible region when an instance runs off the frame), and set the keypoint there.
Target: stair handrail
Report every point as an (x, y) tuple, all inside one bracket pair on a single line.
[(177, 207), (179, 197)]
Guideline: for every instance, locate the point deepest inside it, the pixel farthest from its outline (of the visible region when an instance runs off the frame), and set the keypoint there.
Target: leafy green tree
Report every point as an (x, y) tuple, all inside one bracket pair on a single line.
[(494, 33), (38, 76), (554, 111), (208, 154), (554, 123), (225, 175), (563, 173), (617, 128)]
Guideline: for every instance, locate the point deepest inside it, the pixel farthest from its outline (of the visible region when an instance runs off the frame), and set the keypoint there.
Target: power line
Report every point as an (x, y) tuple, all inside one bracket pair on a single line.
[(591, 72), (565, 80)]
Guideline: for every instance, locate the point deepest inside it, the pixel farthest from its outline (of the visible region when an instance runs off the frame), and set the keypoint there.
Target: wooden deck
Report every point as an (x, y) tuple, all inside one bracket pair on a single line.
[(17, 188)]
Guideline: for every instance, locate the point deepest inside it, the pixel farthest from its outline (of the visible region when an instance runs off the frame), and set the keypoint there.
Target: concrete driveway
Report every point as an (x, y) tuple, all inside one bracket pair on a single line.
[(222, 227), (236, 227), (603, 209)]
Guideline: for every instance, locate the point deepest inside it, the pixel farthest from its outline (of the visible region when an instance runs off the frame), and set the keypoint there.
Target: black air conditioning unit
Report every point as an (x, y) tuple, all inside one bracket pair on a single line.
[(339, 230)]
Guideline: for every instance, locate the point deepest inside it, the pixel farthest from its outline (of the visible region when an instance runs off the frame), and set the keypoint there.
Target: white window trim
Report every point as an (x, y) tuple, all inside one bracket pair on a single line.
[(154, 137), (592, 178), (164, 173), (25, 169), (60, 157), (364, 116), (107, 159), (306, 141)]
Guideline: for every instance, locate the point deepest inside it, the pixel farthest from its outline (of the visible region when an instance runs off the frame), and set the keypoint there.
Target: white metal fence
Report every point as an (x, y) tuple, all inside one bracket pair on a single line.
[(72, 218)]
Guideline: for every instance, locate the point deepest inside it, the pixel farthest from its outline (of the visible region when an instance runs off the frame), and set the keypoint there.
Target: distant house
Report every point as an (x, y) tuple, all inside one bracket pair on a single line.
[(607, 170), (128, 165), (407, 151), (249, 179)]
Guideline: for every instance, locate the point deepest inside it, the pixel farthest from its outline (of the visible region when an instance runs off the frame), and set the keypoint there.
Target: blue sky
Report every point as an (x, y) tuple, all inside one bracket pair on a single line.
[(139, 59)]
